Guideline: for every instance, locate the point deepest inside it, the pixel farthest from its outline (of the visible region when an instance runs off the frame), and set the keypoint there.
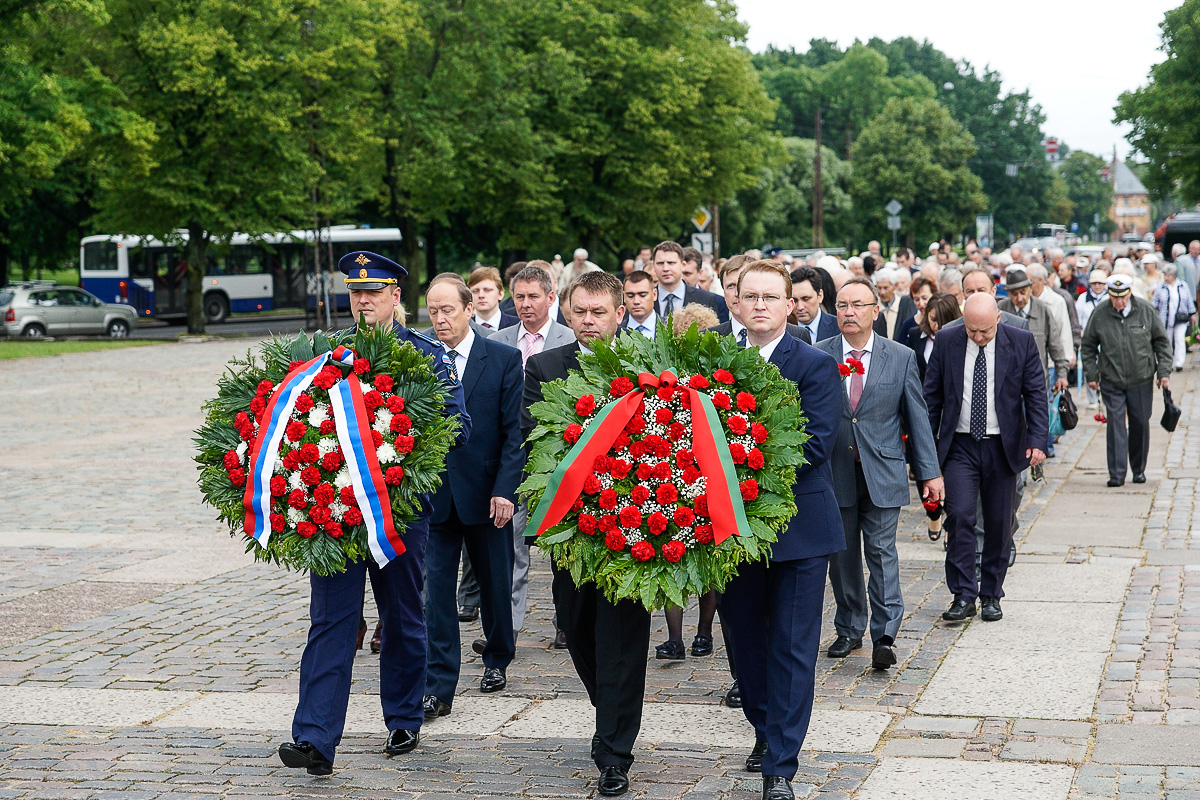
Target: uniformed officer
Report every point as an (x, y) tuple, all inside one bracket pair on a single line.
[(336, 603)]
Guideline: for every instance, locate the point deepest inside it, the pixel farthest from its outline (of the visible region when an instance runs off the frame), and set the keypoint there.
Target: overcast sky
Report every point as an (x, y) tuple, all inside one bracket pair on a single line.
[(1075, 57)]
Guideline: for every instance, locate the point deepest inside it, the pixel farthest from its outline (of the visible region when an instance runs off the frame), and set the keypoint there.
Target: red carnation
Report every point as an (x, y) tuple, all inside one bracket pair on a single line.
[(637, 449), (320, 514), (657, 522), (738, 424), (306, 529), (658, 445), (331, 461), (673, 551), (620, 387), (264, 388), (353, 517), (645, 471), (636, 424), (615, 540), (592, 484), (384, 383), (247, 434), (297, 500), (393, 476), (665, 393), (703, 534), (395, 404), (844, 370), (372, 400), (347, 496), (663, 416), (278, 486), (304, 404), (676, 431), (722, 401), (401, 424), (600, 464), (257, 407), (404, 444), (328, 427), (759, 432), (683, 516), (361, 366), (698, 382), (737, 453), (237, 476), (639, 495), (855, 365), (746, 401), (310, 475), (619, 468), (231, 460), (324, 381), (309, 453), (577, 506), (642, 551), (723, 376), (294, 365), (376, 438), (324, 494), (242, 420), (334, 528), (749, 489), (683, 458), (585, 405), (296, 430), (587, 524), (666, 494), (572, 433), (701, 504), (931, 505), (607, 523), (685, 400), (661, 471), (277, 523), (631, 517), (621, 442), (691, 474), (291, 461), (754, 459), (608, 500)]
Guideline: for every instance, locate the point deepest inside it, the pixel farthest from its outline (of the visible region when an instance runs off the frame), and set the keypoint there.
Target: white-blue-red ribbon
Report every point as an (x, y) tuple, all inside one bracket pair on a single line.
[(353, 426)]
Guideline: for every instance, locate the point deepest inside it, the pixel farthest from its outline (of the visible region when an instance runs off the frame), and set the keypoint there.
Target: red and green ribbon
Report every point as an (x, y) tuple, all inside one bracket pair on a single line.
[(709, 447)]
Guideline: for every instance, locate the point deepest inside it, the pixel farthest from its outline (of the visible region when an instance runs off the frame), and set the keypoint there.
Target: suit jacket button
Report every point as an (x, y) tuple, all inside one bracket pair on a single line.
[(854, 420)]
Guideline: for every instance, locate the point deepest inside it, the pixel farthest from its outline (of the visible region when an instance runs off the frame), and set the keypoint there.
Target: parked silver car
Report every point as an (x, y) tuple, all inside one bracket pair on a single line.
[(36, 309)]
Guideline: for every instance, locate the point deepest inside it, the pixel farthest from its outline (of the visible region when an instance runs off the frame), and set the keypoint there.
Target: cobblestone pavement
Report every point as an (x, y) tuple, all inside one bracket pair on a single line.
[(142, 655)]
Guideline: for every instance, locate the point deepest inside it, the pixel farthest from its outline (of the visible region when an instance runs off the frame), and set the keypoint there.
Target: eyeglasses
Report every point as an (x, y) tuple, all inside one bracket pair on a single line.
[(858, 307), (752, 300)]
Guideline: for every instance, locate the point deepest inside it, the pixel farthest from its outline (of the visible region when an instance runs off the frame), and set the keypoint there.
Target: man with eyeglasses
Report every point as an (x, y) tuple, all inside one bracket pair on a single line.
[(774, 611), (869, 475)]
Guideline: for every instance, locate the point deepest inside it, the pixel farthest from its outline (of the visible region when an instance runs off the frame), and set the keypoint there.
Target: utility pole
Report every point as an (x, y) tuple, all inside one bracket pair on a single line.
[(716, 215), (818, 193)]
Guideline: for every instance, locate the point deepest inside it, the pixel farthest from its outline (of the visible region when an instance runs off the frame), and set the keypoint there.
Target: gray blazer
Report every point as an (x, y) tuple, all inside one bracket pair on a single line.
[(1045, 331), (557, 336), (892, 403)]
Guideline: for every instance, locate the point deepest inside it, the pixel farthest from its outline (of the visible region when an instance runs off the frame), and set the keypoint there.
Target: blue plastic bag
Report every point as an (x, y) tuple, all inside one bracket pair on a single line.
[(1056, 426)]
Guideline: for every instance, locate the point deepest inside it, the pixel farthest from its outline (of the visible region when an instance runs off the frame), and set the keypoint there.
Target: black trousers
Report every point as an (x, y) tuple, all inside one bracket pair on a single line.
[(1128, 446), (977, 470), (609, 644)]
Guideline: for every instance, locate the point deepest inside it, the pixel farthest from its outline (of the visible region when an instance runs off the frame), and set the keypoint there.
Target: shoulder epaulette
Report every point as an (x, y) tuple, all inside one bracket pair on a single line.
[(425, 338)]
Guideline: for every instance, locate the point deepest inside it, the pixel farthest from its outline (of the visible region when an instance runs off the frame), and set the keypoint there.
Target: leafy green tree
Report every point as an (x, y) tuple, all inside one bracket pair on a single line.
[(1089, 192), (915, 152)]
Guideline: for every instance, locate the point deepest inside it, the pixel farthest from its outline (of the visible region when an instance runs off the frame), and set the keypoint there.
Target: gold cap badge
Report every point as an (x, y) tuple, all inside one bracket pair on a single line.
[(362, 273), (362, 261)]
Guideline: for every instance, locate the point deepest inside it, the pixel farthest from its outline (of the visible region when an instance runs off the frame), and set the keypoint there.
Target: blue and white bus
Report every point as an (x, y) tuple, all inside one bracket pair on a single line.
[(251, 274)]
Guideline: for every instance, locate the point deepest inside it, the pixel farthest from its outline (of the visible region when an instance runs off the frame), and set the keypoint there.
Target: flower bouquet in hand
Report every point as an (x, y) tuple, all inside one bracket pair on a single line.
[(663, 464), (318, 450)]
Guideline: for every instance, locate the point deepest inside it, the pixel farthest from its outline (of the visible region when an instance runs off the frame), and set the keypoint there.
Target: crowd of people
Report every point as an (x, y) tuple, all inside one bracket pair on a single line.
[(940, 371)]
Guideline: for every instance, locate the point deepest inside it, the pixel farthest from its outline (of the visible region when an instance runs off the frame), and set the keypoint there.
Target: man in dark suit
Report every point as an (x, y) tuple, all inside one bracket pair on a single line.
[(487, 292), (608, 642), (807, 292), (473, 507), (639, 297), (673, 292), (869, 476), (774, 610), (893, 308), (986, 391), (731, 270)]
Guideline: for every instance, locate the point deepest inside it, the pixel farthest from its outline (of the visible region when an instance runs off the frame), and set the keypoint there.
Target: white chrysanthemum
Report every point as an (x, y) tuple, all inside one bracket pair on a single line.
[(294, 481), (241, 449), (327, 444), (295, 516), (342, 479), (366, 387), (384, 416), (386, 454), (338, 509), (318, 414)]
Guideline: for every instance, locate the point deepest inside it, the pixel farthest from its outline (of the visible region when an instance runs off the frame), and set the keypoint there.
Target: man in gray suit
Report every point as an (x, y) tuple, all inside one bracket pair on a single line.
[(1045, 328), (534, 296), (869, 476)]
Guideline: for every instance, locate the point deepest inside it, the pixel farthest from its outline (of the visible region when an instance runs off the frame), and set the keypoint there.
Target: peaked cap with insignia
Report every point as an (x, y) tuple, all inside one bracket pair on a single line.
[(365, 270)]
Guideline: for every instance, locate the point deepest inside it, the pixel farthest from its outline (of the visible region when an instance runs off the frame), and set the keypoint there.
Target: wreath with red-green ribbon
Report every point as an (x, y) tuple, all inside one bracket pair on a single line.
[(662, 464)]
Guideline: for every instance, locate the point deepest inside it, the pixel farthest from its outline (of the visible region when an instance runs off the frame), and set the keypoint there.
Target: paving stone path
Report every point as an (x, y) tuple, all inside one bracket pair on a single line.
[(142, 655)]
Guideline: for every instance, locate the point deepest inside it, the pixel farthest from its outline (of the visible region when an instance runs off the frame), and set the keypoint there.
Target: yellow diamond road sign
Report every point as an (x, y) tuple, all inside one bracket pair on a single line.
[(701, 218)]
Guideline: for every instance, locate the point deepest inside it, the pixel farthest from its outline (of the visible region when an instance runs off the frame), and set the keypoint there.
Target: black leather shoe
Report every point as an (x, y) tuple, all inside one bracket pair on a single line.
[(595, 745), (842, 646), (959, 610), (468, 614), (990, 609), (702, 645), (401, 742), (613, 781), (377, 638), (434, 707), (733, 698), (776, 787), (754, 760), (493, 680), (1139, 478), (560, 640), (303, 754), (668, 650), (882, 656), (478, 646), (1114, 483)]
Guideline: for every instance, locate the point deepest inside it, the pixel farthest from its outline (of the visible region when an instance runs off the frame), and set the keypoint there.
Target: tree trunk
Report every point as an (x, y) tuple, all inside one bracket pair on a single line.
[(5, 254), (196, 255)]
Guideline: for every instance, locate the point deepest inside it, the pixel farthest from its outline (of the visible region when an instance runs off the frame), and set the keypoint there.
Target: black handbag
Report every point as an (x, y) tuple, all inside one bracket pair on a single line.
[(1171, 412), (1068, 414), (1182, 317)]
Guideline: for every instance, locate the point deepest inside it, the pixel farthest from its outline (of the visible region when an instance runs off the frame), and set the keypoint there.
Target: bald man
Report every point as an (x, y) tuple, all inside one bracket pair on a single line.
[(986, 392)]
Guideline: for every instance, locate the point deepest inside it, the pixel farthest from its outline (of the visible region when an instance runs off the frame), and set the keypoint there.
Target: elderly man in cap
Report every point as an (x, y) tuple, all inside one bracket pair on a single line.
[(1097, 292), (1125, 347), (336, 601)]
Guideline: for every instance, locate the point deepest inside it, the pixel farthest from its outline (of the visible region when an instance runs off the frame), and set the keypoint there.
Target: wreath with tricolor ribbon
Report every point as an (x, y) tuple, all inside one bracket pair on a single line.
[(663, 464), (319, 450)]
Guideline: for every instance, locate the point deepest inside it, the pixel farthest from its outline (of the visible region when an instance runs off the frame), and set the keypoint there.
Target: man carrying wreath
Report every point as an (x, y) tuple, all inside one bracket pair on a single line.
[(336, 601), (774, 607)]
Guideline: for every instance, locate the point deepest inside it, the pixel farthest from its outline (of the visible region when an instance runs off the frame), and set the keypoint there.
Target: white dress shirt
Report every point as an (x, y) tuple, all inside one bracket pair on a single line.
[(767, 349), (491, 322), (662, 297), (866, 359), (649, 323), (814, 325), (462, 352), (964, 414)]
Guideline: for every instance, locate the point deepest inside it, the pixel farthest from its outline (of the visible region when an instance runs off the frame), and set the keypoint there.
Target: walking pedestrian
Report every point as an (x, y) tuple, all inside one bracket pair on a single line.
[(1177, 309)]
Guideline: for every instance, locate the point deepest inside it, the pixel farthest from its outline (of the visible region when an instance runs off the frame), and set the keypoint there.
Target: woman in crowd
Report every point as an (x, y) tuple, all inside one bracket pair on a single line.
[(920, 290), (1177, 310)]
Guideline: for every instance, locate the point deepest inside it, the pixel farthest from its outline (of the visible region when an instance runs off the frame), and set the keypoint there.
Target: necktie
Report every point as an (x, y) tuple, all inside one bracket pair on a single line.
[(979, 398), (643, 330), (669, 305), (742, 338), (528, 343), (856, 381), (453, 365), (487, 325)]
